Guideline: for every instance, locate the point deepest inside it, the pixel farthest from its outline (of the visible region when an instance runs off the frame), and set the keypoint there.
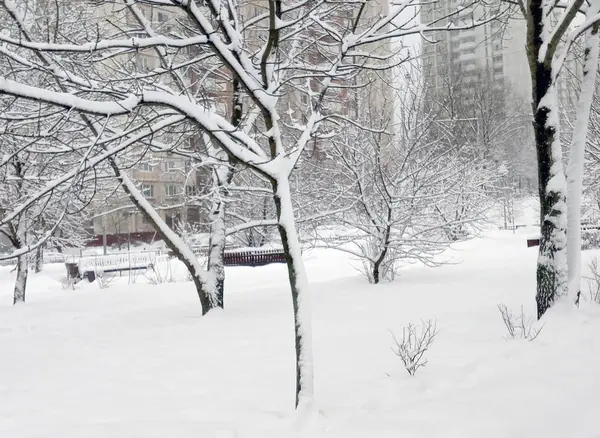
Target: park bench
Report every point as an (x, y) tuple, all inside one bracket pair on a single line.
[(89, 266)]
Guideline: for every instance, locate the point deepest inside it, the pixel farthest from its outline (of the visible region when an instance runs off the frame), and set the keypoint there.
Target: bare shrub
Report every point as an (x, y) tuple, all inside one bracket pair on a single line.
[(104, 281), (518, 326), (157, 275), (416, 340), (594, 281)]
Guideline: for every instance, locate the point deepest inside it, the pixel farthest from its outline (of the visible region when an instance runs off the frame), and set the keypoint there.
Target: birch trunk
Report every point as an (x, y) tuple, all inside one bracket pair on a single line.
[(216, 244), (576, 160)]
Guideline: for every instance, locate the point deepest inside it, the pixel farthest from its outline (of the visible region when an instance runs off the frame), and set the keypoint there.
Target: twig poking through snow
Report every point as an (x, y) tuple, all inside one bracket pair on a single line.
[(518, 326)]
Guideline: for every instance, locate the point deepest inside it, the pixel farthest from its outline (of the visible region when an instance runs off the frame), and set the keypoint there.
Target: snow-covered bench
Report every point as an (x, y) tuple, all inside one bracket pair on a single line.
[(89, 266)]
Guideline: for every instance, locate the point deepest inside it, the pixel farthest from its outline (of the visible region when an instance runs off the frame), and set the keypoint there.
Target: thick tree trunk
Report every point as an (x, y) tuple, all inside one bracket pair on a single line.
[(299, 289), (21, 282), (577, 156), (552, 258)]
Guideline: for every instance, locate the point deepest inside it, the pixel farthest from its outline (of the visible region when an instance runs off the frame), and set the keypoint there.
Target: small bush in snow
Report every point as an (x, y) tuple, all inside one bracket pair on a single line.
[(518, 326), (415, 342), (594, 281), (157, 275), (104, 280)]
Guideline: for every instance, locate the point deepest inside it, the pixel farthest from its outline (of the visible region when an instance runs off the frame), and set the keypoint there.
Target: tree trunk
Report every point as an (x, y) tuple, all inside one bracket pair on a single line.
[(205, 291), (39, 260), (216, 245), (375, 272), (299, 289), (222, 177), (377, 264), (577, 157), (552, 258), (21, 282)]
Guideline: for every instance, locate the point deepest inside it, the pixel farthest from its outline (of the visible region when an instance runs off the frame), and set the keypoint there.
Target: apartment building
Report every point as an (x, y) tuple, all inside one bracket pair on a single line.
[(493, 53)]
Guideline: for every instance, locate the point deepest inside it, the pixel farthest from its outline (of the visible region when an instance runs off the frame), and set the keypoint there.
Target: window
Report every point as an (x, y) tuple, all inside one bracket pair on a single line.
[(191, 190), (161, 17), (147, 190), (171, 190), (170, 166), (145, 167), (142, 61)]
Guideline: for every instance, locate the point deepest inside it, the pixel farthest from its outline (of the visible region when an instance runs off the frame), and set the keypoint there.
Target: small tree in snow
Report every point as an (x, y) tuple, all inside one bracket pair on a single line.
[(412, 195), (415, 342), (518, 326)]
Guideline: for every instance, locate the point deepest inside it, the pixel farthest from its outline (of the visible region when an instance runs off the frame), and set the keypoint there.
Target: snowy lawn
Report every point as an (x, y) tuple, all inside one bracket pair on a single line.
[(139, 360)]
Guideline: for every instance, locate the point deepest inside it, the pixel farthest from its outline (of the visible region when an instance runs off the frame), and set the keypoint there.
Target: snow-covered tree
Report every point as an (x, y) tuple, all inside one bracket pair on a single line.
[(412, 194), (276, 52), (551, 33)]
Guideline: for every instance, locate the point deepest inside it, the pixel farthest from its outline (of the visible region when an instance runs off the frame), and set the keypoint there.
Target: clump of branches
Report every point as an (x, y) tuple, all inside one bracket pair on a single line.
[(594, 281), (518, 326), (415, 342), (104, 281), (158, 275)]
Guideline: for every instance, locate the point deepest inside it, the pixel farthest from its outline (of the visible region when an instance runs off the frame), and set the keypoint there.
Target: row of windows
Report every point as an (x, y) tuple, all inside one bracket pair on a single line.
[(169, 190), (169, 166)]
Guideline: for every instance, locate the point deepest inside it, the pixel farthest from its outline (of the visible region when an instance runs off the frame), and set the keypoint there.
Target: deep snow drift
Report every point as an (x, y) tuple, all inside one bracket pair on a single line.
[(138, 360)]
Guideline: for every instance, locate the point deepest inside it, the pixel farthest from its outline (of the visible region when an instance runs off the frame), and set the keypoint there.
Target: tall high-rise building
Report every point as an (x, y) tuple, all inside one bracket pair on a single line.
[(492, 53), (477, 80)]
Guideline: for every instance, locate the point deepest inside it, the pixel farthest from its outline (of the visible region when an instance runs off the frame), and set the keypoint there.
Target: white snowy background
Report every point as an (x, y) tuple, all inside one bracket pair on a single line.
[(138, 360)]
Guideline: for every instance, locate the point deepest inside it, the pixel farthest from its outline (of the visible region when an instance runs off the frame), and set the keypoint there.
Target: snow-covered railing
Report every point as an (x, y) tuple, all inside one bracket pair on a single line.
[(118, 261), (253, 257), (48, 258)]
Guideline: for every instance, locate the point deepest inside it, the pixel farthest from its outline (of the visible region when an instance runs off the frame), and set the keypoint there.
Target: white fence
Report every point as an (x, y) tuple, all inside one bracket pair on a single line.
[(48, 258)]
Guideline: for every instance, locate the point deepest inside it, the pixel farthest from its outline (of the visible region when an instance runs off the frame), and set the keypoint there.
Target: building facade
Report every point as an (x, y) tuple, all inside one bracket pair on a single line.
[(169, 182)]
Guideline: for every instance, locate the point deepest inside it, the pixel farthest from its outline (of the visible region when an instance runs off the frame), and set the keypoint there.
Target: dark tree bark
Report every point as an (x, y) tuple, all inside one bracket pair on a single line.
[(552, 264)]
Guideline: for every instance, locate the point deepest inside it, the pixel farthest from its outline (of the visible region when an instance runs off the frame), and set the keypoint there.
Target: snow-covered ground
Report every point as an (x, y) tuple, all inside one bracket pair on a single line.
[(138, 360)]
